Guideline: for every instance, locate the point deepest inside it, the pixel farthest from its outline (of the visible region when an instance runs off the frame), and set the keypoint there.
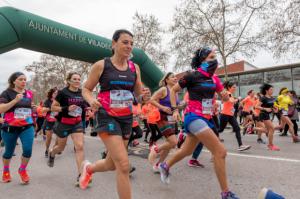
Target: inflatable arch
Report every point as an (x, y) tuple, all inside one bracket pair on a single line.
[(20, 29)]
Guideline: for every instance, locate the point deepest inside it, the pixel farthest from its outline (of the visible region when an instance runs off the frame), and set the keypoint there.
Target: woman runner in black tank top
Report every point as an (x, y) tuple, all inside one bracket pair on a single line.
[(70, 106), (118, 78)]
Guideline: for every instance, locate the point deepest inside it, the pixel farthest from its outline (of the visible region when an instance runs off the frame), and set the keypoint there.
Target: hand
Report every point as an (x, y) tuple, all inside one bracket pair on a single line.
[(95, 104), (72, 107), (166, 110), (34, 107), (1, 120), (268, 110), (176, 116), (18, 97)]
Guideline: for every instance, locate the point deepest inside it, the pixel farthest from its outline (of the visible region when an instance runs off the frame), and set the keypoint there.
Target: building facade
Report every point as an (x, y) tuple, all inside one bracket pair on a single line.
[(278, 76)]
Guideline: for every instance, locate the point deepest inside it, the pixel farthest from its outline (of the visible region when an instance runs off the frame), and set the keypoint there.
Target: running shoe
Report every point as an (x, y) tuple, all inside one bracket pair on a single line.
[(6, 177), (132, 169), (244, 147), (24, 176), (50, 161), (250, 130), (155, 168), (260, 141), (296, 139), (195, 163), (135, 143), (77, 181), (153, 154), (180, 139), (273, 148), (85, 177), (46, 154), (283, 134), (164, 173), (229, 195)]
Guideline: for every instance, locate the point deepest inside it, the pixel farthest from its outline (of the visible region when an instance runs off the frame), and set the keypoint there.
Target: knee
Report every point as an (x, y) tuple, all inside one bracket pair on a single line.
[(7, 155), (79, 147), (123, 166), (220, 153), (173, 143), (27, 153)]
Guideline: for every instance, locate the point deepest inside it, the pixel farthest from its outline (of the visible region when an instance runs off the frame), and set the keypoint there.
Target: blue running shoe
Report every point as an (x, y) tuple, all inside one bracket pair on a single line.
[(164, 173), (229, 195)]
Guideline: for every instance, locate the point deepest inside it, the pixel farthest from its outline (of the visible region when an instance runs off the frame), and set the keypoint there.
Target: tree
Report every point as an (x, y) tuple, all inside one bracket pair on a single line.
[(284, 29), (148, 35), (223, 24), (51, 71)]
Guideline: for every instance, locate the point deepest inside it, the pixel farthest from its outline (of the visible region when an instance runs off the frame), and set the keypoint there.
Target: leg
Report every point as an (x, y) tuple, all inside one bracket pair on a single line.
[(117, 158), (59, 147), (236, 129), (48, 139), (10, 140), (223, 122), (270, 128), (210, 140), (78, 140), (186, 149)]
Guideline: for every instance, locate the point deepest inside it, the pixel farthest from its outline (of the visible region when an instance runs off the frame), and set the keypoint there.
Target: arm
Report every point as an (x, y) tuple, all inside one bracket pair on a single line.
[(6, 106), (90, 84), (161, 93), (55, 107), (175, 89), (143, 94)]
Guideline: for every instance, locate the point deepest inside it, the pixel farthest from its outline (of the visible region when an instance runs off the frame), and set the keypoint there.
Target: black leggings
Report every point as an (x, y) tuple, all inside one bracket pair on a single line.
[(286, 128), (146, 127), (155, 133), (224, 119), (135, 134), (39, 122)]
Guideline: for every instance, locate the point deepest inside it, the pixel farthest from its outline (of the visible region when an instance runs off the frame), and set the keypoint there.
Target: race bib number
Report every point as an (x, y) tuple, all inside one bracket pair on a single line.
[(120, 98), (77, 112), (22, 113), (207, 106)]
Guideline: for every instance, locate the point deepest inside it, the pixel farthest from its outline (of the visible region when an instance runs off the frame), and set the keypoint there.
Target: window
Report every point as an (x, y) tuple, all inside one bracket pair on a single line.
[(250, 82), (279, 79)]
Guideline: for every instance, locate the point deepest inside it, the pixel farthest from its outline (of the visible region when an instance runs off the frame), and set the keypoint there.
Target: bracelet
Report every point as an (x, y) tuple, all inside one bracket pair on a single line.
[(174, 108)]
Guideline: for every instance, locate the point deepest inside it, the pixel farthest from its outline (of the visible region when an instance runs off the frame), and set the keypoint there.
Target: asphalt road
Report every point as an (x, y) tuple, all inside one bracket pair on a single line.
[(248, 173)]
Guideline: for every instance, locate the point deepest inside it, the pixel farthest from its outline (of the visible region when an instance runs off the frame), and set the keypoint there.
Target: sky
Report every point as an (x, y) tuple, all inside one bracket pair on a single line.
[(101, 17)]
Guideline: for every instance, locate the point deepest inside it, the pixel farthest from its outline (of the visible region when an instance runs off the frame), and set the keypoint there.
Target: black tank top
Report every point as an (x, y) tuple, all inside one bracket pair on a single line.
[(116, 89)]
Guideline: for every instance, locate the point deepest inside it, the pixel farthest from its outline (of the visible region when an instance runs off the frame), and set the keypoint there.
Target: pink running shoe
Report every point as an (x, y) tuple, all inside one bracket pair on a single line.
[(273, 148), (195, 163), (85, 177)]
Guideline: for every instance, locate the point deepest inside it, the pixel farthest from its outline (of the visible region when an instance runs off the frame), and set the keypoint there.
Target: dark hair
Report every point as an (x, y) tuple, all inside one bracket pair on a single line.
[(50, 92), (264, 88), (228, 84), (117, 35), (13, 78), (249, 92), (199, 56), (284, 88), (163, 80), (70, 76), (293, 93)]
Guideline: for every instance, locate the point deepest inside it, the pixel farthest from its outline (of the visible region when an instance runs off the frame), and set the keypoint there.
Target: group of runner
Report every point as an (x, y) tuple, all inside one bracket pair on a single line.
[(123, 101)]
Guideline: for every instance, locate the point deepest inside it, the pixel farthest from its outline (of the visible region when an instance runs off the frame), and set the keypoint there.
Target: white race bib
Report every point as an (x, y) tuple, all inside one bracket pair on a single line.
[(22, 113), (120, 98), (207, 106), (171, 119), (77, 112)]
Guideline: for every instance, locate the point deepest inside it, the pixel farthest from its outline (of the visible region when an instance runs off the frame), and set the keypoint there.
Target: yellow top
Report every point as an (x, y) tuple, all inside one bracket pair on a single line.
[(283, 102)]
